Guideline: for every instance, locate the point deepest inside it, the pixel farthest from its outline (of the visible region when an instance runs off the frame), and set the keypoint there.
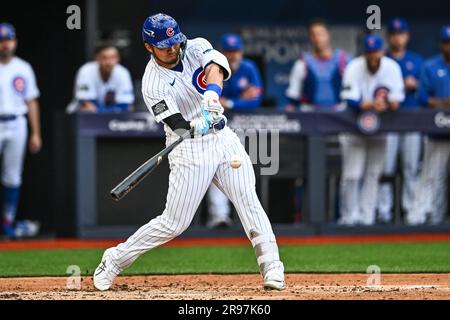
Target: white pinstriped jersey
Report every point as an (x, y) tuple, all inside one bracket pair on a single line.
[(17, 86), (359, 84), (89, 84), (167, 92)]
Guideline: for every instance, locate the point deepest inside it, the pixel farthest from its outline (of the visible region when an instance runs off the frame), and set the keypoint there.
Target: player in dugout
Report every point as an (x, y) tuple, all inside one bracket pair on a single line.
[(103, 85), (430, 197), (407, 144), (315, 79)]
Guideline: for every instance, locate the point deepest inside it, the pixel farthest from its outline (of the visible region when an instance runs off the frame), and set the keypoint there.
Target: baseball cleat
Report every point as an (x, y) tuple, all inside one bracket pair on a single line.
[(274, 280), (275, 285), (105, 273)]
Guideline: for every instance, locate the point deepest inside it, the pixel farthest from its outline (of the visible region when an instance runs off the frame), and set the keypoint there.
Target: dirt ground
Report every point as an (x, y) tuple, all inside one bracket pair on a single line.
[(247, 287)]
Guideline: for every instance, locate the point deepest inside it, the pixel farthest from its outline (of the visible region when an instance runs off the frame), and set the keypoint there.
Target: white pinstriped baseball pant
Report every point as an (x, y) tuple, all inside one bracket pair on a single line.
[(430, 197), (194, 164)]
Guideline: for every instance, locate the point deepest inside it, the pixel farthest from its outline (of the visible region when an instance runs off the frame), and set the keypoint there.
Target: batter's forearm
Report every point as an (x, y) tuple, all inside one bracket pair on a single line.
[(34, 117), (214, 74)]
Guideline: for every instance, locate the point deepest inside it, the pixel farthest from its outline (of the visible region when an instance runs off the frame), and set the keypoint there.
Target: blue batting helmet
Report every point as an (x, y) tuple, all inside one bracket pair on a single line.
[(162, 31), (7, 32)]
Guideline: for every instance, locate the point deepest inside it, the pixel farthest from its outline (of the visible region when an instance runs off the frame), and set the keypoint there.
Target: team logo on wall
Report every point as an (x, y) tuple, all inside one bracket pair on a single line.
[(368, 122), (199, 80), (170, 32), (19, 84)]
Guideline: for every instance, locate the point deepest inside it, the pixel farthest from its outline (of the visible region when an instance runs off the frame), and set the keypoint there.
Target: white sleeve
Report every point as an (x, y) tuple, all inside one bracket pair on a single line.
[(397, 92), (84, 85), (157, 98), (206, 54), (296, 78), (350, 86), (32, 90), (125, 93)]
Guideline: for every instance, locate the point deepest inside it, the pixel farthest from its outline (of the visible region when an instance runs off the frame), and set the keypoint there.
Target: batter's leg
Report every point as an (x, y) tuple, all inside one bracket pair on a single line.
[(376, 148), (192, 164), (239, 185), (386, 193), (353, 153)]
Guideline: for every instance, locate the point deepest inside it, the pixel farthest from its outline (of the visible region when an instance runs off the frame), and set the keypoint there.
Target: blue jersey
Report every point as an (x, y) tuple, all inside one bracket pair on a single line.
[(317, 81), (434, 80), (435, 83), (411, 65), (245, 76)]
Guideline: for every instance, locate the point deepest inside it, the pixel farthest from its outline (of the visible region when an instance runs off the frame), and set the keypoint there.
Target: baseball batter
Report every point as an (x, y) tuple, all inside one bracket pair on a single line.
[(181, 87), (18, 99), (371, 82)]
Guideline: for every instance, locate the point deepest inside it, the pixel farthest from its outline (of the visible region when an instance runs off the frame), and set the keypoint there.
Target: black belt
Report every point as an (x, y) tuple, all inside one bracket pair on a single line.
[(9, 117)]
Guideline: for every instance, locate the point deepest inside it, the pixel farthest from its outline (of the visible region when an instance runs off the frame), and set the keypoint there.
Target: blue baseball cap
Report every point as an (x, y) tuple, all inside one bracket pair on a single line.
[(445, 33), (373, 42), (397, 25), (230, 42), (7, 32)]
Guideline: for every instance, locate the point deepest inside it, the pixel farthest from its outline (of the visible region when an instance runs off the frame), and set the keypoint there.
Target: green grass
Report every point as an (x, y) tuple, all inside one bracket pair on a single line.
[(339, 258)]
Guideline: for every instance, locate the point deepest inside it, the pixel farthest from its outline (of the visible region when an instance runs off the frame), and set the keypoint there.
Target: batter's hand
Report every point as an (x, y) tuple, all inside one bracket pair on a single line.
[(35, 143), (203, 124), (211, 102)]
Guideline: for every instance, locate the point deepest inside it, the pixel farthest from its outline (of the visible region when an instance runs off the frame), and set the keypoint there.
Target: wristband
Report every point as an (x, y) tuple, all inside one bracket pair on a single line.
[(214, 87)]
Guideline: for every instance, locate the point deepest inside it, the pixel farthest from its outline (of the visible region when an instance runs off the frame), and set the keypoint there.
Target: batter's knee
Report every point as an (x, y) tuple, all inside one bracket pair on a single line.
[(172, 226)]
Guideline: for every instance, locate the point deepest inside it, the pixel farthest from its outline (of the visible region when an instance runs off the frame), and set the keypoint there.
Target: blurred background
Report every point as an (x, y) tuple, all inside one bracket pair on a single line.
[(66, 185)]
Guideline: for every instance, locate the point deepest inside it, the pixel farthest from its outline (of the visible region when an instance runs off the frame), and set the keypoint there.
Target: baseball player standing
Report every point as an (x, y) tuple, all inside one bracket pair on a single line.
[(18, 99), (371, 82), (431, 192), (243, 91), (315, 79), (181, 88), (409, 144)]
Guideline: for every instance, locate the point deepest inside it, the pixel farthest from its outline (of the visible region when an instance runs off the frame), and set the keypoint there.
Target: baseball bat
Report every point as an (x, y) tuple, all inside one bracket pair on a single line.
[(130, 182)]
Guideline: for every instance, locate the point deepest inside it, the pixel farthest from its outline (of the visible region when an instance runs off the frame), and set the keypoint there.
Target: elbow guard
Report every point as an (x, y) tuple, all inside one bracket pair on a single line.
[(218, 58)]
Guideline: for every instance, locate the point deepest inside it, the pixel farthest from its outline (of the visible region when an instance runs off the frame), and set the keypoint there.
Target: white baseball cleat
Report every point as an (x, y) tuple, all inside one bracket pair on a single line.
[(275, 285), (274, 280), (105, 273)]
